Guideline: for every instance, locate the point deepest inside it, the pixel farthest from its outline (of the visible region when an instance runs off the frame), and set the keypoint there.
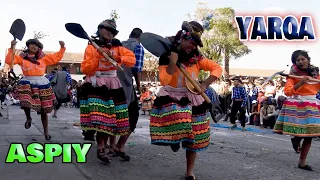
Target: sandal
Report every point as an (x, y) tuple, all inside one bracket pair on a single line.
[(48, 137), (306, 167), (123, 155), (295, 145), (101, 155), (27, 124)]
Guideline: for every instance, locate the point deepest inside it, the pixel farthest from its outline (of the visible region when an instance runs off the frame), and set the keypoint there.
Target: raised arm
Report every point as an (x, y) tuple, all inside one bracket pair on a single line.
[(54, 58)]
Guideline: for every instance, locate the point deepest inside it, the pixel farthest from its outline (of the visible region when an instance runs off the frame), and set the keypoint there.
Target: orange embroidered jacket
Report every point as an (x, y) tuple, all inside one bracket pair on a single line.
[(31, 69), (304, 90), (94, 61), (178, 80)]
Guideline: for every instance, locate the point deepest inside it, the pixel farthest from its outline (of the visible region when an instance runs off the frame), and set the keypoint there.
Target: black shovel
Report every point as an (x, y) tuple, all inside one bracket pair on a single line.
[(78, 31), (18, 28)]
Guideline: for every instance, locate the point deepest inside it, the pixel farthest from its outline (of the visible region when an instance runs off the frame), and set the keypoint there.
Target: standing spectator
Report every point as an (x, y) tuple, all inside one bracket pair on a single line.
[(239, 100)]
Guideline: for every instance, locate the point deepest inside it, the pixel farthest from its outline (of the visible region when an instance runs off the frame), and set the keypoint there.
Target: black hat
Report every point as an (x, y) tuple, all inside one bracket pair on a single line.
[(36, 42), (195, 29), (110, 24)]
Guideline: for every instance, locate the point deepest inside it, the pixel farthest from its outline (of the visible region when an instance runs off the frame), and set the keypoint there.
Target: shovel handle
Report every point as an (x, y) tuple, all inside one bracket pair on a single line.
[(12, 56), (300, 77), (196, 86), (106, 56)]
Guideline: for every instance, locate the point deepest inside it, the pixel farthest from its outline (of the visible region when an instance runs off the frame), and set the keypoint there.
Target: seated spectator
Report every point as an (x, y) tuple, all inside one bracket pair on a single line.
[(268, 115)]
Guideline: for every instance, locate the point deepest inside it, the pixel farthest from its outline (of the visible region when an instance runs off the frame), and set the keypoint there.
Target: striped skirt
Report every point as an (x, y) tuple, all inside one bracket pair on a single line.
[(104, 108), (299, 116), (35, 92), (175, 121), (147, 105)]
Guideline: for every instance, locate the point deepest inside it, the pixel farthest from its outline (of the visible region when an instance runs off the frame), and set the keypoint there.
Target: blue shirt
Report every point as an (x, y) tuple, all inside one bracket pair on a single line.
[(240, 93), (209, 93), (318, 95), (139, 53)]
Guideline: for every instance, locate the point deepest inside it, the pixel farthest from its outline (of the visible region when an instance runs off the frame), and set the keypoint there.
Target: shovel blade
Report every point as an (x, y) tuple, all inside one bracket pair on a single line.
[(77, 30), (18, 29)]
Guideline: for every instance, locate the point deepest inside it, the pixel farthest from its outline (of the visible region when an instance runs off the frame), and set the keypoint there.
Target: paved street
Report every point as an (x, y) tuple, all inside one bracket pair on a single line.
[(232, 155)]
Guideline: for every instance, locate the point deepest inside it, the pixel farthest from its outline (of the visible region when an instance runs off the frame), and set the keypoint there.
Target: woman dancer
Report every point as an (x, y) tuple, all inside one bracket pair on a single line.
[(179, 116), (300, 113), (34, 89), (103, 102)]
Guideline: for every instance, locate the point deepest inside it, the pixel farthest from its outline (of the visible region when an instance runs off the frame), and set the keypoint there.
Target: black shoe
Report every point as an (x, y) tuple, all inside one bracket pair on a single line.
[(306, 167)]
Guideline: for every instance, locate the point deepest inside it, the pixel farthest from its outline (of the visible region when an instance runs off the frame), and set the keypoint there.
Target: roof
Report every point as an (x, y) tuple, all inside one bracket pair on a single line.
[(69, 57), (252, 72)]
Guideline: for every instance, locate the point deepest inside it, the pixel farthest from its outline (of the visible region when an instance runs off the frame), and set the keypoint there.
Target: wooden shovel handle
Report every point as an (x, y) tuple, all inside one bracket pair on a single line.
[(196, 86), (107, 57), (12, 57), (300, 77)]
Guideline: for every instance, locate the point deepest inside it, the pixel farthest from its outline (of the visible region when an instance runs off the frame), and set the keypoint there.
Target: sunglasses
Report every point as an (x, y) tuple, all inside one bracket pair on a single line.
[(113, 31)]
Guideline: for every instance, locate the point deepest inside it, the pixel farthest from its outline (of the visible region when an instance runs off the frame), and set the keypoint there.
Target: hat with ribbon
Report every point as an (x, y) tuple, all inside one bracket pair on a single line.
[(195, 29), (110, 25), (36, 42)]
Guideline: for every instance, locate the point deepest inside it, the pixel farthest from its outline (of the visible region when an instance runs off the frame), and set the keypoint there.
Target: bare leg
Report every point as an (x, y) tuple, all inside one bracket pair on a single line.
[(113, 143), (54, 113), (191, 158), (122, 141), (44, 119), (27, 125), (101, 154), (27, 112), (304, 151)]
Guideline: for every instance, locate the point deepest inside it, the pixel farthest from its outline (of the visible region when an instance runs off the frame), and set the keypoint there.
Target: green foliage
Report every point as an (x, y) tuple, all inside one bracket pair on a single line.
[(39, 35), (114, 15), (220, 39)]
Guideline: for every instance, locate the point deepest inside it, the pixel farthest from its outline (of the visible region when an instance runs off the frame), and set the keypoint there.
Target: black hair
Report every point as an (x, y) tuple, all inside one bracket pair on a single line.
[(135, 33), (26, 52), (297, 53)]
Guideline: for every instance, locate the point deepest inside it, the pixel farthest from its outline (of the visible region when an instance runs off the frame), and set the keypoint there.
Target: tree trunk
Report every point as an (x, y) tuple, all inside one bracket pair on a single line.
[(226, 63)]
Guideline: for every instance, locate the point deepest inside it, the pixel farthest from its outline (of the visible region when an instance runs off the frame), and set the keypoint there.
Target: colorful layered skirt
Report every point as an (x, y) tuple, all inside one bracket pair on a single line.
[(178, 116), (35, 92), (103, 106), (299, 116), (147, 104)]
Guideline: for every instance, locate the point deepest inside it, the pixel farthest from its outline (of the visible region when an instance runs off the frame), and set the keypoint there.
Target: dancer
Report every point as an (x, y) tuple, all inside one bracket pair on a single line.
[(179, 116), (103, 102), (34, 88), (300, 113)]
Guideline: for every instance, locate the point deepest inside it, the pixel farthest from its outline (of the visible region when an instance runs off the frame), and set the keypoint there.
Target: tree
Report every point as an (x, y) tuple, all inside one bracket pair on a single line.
[(220, 39), (150, 65)]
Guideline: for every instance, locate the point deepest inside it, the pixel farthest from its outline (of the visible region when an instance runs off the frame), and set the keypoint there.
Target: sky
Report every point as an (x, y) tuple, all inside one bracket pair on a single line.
[(161, 17)]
